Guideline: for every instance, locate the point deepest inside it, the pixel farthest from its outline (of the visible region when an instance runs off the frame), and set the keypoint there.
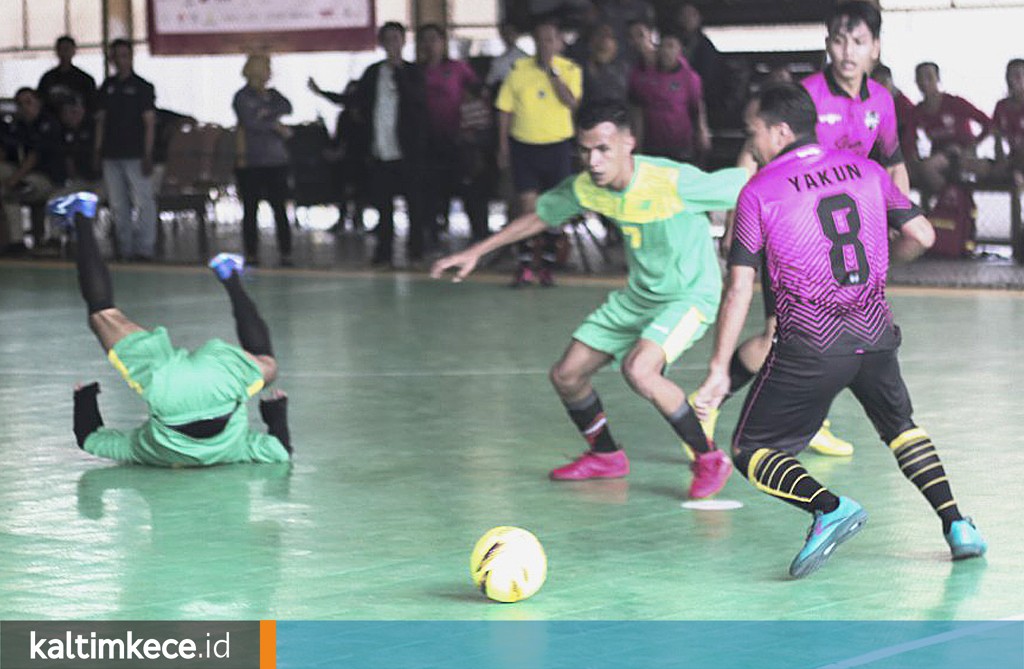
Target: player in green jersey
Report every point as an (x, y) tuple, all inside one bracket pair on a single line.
[(671, 297), (197, 400)]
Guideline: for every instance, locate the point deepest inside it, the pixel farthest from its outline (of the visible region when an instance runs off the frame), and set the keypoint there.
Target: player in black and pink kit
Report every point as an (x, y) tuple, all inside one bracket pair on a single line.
[(854, 113), (819, 219)]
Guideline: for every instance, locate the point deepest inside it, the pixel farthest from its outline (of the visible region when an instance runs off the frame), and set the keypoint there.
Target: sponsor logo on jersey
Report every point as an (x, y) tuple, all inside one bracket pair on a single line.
[(830, 119)]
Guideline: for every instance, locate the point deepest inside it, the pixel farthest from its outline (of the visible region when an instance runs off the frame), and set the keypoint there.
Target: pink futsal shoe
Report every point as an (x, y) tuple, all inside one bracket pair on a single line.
[(710, 472), (593, 465)]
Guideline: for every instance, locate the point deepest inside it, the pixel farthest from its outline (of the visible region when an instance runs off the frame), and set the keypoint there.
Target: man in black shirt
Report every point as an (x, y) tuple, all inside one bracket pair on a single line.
[(125, 135), (66, 82), (32, 168)]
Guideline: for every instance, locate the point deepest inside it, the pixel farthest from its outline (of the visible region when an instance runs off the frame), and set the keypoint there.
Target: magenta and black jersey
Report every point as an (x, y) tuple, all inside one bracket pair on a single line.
[(818, 219), (865, 125)]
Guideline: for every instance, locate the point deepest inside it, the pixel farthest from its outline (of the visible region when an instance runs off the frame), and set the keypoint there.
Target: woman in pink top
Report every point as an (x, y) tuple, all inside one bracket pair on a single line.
[(949, 122), (447, 82)]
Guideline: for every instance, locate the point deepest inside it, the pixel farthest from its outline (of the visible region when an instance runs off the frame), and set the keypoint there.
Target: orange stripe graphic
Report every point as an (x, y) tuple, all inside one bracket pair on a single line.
[(268, 644)]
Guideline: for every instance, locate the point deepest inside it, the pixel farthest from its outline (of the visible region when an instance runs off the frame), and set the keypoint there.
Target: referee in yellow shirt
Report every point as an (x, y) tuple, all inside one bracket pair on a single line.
[(535, 107)]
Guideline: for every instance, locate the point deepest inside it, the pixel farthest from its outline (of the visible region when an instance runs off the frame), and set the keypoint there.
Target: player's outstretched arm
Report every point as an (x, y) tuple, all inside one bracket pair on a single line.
[(732, 314), (465, 261), (915, 237)]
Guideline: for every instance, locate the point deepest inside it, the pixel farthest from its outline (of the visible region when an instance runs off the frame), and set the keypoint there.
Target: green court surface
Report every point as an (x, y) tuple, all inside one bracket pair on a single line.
[(422, 416)]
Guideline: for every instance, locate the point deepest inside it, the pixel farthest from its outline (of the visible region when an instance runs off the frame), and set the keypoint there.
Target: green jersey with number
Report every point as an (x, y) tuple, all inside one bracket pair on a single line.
[(662, 214)]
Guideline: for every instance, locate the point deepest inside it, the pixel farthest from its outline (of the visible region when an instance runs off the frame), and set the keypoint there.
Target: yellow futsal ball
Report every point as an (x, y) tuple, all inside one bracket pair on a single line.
[(508, 564)]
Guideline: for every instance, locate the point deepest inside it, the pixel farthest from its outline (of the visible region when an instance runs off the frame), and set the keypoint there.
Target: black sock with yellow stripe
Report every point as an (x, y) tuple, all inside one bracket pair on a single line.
[(93, 276), (782, 476), (920, 463)]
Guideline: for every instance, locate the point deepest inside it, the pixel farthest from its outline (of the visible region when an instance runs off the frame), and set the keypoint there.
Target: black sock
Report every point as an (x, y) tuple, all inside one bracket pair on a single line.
[(588, 417), (739, 375), (275, 415), (920, 463), (87, 413), (93, 277), (782, 476), (684, 421), (253, 333), (549, 250)]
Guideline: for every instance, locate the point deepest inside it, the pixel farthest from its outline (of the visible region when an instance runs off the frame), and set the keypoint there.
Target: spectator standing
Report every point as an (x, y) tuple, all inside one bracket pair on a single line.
[(619, 15), (702, 55), (32, 170), (447, 82), (641, 43), (262, 168), (125, 137), (393, 95), (502, 65), (1008, 123), (476, 158), (669, 95), (535, 130), (605, 75), (67, 82), (947, 123)]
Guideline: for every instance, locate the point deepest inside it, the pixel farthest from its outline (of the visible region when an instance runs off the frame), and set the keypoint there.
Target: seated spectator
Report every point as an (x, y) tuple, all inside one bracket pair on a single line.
[(605, 75), (947, 123), (262, 168), (67, 83), (904, 107), (78, 136), (1008, 125), (31, 171), (672, 120)]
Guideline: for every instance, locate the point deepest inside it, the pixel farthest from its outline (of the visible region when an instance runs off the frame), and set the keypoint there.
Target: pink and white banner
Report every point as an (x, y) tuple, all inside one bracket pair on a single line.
[(233, 26)]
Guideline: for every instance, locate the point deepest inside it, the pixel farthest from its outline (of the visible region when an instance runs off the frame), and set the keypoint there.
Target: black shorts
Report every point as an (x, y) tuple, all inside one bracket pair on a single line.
[(539, 167), (793, 392)]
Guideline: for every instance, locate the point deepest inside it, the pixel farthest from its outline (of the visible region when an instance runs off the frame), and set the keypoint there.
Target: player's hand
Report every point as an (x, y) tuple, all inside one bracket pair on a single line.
[(711, 394), (464, 262)]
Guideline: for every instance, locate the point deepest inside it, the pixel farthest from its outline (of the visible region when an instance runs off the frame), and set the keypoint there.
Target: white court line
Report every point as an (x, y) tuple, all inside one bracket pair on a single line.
[(933, 640)]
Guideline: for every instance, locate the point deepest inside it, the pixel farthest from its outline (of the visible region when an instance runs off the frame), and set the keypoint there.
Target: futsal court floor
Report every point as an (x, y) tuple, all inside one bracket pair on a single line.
[(422, 416)]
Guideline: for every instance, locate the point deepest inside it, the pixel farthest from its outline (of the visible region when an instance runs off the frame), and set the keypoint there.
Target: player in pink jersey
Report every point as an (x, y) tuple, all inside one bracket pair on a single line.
[(819, 219), (1008, 124), (853, 113)]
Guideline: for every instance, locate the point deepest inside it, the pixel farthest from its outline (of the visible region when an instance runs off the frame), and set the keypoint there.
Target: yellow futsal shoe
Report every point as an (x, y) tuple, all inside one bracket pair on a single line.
[(826, 443), (707, 425)]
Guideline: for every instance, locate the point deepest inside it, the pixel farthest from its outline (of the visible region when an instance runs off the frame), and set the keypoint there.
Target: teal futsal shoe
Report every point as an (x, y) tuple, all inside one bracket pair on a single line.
[(64, 208), (226, 264), (828, 531), (965, 541)]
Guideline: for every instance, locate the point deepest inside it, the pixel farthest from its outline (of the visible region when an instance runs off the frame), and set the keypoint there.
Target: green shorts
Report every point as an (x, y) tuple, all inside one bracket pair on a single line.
[(616, 326)]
